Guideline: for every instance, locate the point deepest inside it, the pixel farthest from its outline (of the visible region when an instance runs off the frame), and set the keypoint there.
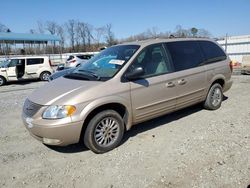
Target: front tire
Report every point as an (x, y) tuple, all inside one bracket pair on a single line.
[(214, 97), (104, 131), (2, 81), (44, 76)]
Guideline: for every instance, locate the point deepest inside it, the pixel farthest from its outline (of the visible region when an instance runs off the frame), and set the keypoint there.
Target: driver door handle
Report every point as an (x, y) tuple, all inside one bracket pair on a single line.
[(182, 82), (170, 84)]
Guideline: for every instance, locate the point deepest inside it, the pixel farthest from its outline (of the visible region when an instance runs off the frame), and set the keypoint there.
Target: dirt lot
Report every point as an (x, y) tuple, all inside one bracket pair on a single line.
[(189, 148)]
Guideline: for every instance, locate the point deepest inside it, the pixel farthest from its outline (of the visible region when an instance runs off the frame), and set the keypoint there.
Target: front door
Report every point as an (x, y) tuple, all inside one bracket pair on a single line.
[(11, 69), (154, 93)]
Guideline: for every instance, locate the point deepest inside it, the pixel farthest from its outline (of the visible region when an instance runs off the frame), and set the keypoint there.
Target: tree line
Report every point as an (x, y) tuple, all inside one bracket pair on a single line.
[(79, 36)]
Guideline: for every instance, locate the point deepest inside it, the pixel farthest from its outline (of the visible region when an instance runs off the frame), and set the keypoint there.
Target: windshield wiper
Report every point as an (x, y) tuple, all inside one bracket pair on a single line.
[(90, 73)]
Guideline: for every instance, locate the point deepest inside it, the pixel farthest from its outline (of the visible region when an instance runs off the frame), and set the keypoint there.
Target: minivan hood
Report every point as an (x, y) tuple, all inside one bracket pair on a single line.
[(54, 91)]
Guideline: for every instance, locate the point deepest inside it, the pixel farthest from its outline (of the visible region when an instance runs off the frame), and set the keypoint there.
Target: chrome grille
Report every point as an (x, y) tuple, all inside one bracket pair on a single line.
[(30, 108)]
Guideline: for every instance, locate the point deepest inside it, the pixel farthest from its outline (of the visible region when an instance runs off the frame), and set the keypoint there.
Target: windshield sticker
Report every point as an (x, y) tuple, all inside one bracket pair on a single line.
[(116, 61)]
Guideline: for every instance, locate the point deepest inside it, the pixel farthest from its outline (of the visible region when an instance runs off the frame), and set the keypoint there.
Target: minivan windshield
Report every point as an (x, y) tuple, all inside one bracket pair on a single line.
[(104, 65)]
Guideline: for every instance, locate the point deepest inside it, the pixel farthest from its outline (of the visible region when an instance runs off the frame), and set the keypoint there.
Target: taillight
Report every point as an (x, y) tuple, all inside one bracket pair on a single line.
[(231, 66), (50, 63)]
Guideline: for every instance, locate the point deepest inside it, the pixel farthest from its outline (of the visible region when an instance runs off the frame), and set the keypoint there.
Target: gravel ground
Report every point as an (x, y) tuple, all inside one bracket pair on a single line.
[(189, 148)]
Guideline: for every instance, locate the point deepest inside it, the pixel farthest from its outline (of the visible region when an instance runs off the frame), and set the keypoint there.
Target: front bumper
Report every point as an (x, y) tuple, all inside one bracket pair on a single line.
[(60, 135)]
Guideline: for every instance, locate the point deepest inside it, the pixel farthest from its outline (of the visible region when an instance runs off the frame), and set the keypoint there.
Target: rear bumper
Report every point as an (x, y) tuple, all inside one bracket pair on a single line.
[(60, 135), (228, 85)]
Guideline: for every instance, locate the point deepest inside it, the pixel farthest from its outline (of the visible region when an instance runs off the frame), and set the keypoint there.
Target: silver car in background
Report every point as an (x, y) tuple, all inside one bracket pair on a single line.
[(76, 60)]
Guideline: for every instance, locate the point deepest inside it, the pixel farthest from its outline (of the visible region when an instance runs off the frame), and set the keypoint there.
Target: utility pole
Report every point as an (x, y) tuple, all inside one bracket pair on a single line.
[(226, 44)]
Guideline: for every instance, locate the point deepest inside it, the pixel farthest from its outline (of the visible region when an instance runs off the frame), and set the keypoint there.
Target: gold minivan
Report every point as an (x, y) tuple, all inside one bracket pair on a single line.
[(124, 85)]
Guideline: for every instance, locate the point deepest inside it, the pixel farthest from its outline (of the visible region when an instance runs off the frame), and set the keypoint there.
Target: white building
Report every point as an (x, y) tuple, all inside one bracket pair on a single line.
[(237, 47)]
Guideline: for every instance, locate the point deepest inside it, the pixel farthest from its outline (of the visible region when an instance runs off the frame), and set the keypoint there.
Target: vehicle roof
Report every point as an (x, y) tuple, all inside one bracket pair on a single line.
[(159, 40), (25, 57)]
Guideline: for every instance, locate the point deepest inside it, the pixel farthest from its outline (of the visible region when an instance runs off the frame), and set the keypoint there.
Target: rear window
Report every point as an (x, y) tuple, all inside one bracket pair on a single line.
[(70, 57), (84, 56), (35, 61), (212, 52), (185, 54)]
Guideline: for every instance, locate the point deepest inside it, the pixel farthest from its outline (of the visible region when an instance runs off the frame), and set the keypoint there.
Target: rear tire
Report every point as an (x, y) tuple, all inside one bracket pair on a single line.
[(44, 76), (104, 131), (214, 97), (2, 81)]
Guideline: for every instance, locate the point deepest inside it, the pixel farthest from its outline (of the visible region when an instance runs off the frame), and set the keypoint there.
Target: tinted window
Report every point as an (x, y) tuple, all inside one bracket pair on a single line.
[(13, 62), (70, 57), (153, 60), (212, 52), (185, 54), (35, 61), (84, 56)]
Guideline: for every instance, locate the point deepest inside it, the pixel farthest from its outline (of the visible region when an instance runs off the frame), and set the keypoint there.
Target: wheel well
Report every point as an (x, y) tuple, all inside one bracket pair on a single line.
[(4, 79), (44, 72), (219, 81), (119, 108)]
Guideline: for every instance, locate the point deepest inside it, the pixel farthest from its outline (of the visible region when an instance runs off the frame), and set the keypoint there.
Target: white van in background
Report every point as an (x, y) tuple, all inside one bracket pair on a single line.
[(20, 68)]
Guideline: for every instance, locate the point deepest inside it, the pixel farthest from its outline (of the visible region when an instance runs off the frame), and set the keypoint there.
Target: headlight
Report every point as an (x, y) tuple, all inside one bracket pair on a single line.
[(58, 112)]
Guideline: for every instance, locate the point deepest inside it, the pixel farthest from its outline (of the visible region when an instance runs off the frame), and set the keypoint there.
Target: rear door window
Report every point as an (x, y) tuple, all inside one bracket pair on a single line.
[(35, 61), (185, 54), (212, 52)]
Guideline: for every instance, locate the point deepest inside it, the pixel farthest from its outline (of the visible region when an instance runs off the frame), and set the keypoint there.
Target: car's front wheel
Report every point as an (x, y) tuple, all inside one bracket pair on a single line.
[(104, 131), (2, 80)]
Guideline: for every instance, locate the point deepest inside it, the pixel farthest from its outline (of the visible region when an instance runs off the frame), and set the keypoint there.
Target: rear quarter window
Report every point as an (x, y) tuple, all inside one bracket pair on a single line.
[(35, 61), (184, 54), (212, 52)]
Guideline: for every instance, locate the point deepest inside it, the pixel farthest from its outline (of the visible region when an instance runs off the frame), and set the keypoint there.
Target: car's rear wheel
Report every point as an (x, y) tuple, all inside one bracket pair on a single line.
[(214, 97), (44, 76), (104, 131), (2, 81)]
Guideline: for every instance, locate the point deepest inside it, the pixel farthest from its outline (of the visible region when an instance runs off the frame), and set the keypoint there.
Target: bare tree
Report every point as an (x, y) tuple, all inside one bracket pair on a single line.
[(71, 28), (152, 32), (32, 31), (98, 34), (51, 27), (110, 39), (181, 32), (40, 27), (3, 28), (81, 34), (89, 30), (61, 34), (203, 33)]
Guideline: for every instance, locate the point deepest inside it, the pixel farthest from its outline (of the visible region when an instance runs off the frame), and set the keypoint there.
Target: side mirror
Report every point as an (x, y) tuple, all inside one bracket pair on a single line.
[(135, 73)]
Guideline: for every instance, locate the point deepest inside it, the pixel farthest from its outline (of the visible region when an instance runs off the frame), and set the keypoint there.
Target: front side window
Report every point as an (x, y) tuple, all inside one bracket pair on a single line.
[(13, 62), (35, 61), (106, 64), (153, 60), (185, 54), (212, 51)]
